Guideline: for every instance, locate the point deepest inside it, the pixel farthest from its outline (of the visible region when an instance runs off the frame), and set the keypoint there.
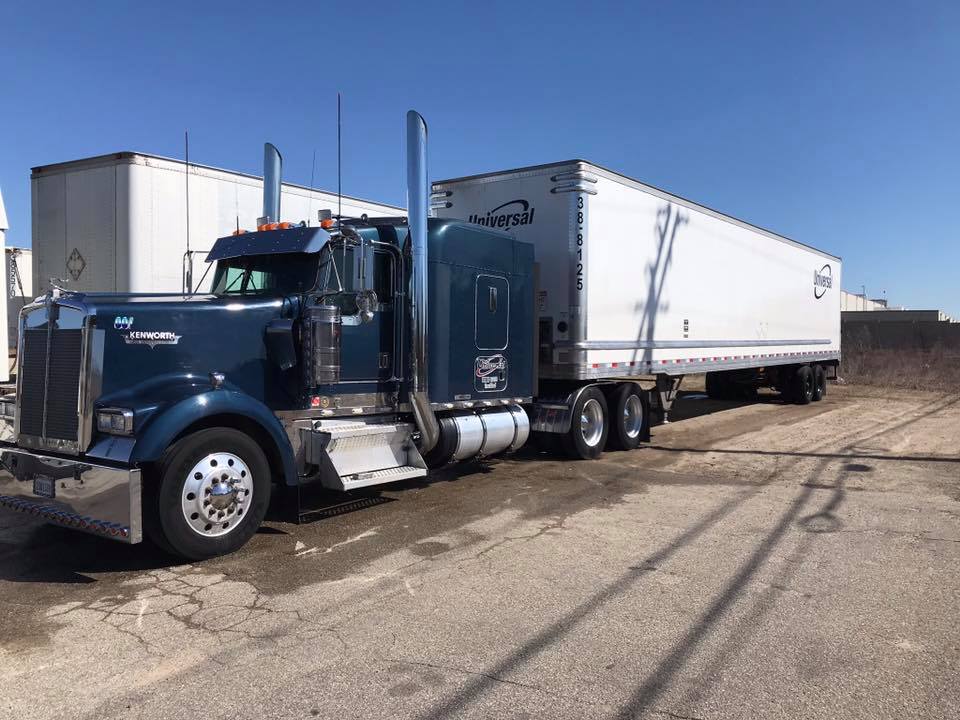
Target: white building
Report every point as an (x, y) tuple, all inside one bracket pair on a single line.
[(856, 302), (119, 223)]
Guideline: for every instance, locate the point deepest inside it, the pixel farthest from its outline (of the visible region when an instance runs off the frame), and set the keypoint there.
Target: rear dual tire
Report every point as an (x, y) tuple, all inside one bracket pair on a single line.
[(588, 426), (628, 417), (804, 384), (819, 383), (615, 420)]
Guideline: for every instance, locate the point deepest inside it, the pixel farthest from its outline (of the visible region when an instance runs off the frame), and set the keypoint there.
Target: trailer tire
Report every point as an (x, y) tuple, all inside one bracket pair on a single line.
[(819, 383), (629, 416), (589, 426), (803, 385), (188, 481)]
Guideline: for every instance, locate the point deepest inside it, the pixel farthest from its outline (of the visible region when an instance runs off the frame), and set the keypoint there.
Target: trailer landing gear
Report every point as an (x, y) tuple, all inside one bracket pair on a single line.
[(666, 391)]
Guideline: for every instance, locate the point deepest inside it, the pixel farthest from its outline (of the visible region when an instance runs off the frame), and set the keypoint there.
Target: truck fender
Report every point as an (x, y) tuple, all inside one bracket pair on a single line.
[(166, 426), (553, 415)]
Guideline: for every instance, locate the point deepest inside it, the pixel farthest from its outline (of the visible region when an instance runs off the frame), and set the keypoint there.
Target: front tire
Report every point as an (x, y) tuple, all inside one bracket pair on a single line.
[(589, 426), (212, 493)]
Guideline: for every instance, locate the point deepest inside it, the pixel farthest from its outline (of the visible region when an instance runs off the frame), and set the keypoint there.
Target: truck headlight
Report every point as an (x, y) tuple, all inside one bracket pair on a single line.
[(115, 421)]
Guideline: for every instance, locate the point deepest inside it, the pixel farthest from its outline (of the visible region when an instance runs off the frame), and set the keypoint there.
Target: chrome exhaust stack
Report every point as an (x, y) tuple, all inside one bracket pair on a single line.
[(272, 171), (418, 208)]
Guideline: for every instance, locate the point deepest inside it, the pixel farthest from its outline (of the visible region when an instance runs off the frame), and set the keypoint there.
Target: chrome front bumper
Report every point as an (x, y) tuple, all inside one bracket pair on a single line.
[(93, 498)]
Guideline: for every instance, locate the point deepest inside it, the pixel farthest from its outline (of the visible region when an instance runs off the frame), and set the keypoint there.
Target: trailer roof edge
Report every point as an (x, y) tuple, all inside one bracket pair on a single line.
[(640, 185), (130, 155)]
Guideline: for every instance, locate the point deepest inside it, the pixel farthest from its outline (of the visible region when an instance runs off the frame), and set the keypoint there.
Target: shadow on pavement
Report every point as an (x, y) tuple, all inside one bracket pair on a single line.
[(650, 690)]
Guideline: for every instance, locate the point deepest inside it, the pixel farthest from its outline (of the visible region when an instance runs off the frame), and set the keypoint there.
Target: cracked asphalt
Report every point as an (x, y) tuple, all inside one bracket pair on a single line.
[(756, 560)]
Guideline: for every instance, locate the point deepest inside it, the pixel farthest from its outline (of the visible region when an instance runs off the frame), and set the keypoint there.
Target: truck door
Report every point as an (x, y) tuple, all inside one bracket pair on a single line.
[(492, 312), (368, 352)]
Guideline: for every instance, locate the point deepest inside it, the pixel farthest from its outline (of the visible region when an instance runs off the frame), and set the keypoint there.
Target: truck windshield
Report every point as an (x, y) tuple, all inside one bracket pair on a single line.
[(280, 274)]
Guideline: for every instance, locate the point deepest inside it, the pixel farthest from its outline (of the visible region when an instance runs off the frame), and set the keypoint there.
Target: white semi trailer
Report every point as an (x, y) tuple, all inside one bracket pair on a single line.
[(635, 281), (119, 222)]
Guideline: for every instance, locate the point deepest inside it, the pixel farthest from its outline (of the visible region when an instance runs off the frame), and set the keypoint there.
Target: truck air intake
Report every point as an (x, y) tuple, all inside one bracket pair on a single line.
[(272, 171)]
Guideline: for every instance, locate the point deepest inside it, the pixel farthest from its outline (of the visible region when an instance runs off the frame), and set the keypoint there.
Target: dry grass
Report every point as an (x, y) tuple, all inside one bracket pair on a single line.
[(935, 369)]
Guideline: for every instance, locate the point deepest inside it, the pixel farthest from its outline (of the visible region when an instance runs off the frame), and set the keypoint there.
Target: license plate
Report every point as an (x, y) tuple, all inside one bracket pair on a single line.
[(44, 487)]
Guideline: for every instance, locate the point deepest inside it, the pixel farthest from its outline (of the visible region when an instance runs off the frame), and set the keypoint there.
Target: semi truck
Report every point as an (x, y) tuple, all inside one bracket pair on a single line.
[(560, 304)]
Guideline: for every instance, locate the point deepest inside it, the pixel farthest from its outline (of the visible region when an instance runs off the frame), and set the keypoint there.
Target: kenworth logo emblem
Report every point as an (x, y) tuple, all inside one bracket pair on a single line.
[(151, 338), (514, 213), (822, 281), (122, 322)]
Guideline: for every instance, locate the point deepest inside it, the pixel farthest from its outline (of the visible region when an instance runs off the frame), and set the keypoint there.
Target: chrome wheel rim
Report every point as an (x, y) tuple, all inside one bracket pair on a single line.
[(591, 422), (632, 416), (216, 493)]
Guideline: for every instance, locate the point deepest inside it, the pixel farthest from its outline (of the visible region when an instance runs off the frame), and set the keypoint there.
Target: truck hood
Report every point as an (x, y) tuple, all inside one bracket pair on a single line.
[(152, 343)]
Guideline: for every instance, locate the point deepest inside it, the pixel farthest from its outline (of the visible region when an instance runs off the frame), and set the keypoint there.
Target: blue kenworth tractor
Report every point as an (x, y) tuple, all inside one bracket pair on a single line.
[(353, 354)]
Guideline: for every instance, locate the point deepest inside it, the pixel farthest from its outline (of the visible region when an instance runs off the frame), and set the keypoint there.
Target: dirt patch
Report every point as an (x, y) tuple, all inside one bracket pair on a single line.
[(935, 369)]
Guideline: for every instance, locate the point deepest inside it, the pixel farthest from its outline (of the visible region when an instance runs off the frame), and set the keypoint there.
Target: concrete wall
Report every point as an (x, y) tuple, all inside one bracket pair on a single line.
[(860, 335), (895, 316)]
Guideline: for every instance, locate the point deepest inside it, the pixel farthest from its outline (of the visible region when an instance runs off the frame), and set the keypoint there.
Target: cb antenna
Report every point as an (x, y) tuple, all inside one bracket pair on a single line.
[(187, 256), (313, 172), (339, 193)]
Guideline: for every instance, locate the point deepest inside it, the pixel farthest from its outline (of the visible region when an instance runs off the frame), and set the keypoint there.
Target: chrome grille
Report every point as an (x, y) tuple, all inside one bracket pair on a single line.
[(50, 379), (32, 372), (63, 385)]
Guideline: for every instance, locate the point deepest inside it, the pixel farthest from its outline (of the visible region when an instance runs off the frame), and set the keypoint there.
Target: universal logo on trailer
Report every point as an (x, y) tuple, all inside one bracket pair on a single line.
[(822, 281), (515, 213)]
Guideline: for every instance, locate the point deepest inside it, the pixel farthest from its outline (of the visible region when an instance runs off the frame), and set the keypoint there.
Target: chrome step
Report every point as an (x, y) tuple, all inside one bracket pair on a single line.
[(358, 453), (379, 477)]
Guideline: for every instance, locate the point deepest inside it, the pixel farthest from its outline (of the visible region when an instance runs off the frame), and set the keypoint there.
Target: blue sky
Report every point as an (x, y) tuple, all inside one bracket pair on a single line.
[(833, 123)]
